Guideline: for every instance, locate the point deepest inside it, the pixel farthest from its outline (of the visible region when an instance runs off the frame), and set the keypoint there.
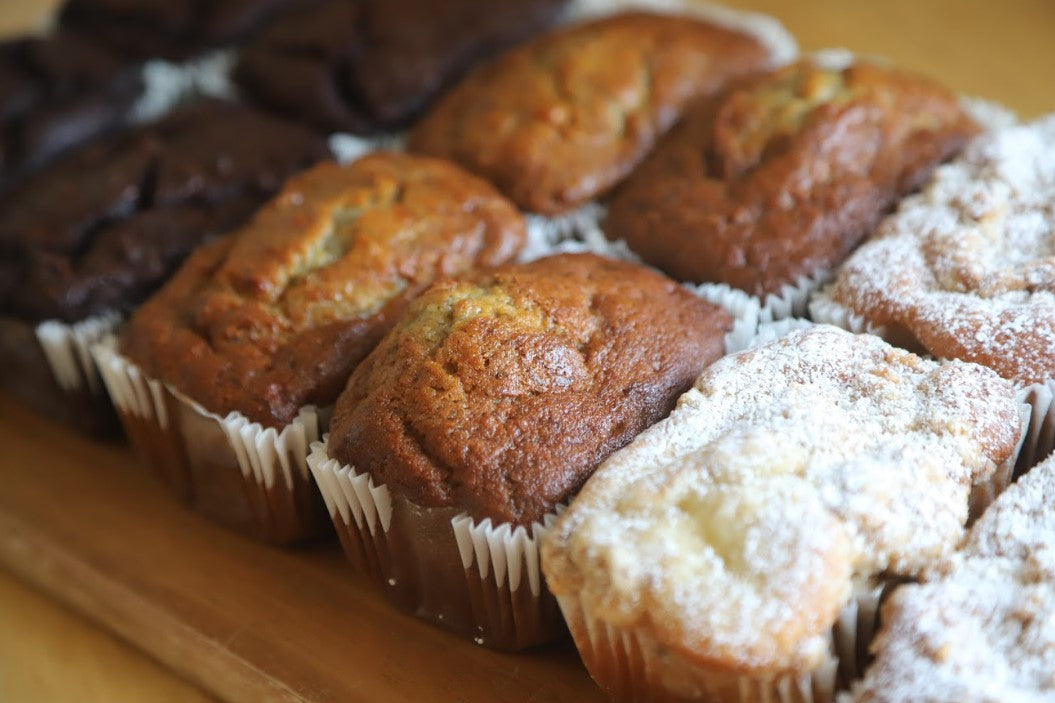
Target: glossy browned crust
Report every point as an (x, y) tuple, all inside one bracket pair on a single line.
[(560, 120), (785, 174), (500, 393), (276, 315)]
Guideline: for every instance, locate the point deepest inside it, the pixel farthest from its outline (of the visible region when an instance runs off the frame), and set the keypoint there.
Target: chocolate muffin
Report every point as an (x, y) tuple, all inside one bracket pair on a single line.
[(172, 29), (57, 92), (276, 315), (500, 392), (86, 239), (365, 65), (560, 120), (99, 230), (782, 176)]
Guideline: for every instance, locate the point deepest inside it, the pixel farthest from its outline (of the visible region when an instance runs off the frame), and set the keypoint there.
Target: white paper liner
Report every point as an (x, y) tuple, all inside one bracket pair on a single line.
[(130, 390), (793, 299), (185, 443), (167, 84), (1039, 440), (766, 29), (824, 310), (502, 587), (629, 665), (504, 553), (349, 147), (772, 331), (67, 349)]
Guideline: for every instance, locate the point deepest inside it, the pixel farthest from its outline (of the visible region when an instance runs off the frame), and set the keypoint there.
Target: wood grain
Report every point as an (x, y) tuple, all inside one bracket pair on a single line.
[(82, 522)]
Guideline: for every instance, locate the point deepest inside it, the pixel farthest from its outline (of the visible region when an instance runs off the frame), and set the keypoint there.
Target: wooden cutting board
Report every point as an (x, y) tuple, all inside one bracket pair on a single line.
[(82, 522)]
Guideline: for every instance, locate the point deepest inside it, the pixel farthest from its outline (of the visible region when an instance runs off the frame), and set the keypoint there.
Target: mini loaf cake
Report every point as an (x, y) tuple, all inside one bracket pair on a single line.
[(362, 65), (57, 92), (488, 405), (278, 314), (965, 269), (499, 393), (783, 175), (223, 370), (558, 121), (985, 629), (170, 28), (86, 239), (710, 558)]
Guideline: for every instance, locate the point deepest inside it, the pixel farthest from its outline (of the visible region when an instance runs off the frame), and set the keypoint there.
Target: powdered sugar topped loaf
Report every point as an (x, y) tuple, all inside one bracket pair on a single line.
[(733, 530), (967, 266), (986, 630)]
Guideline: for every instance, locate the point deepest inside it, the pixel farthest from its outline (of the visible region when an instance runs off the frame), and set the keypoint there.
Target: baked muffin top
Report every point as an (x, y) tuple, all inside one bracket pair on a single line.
[(982, 631), (367, 65), (561, 119), (500, 392), (733, 530), (172, 29), (56, 92), (783, 175), (966, 268), (275, 315), (101, 228)]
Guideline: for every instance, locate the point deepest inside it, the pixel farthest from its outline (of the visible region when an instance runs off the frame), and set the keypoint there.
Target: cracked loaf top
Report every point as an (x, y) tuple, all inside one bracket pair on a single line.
[(558, 121), (732, 531), (277, 314), (499, 393), (367, 65), (102, 227), (966, 268), (783, 175)]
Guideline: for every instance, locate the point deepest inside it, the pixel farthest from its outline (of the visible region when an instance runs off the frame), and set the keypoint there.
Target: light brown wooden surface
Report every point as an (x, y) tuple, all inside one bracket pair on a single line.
[(129, 559), (244, 621)]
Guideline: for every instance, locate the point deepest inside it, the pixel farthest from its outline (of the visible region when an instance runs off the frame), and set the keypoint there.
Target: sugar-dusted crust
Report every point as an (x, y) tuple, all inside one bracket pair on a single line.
[(984, 631), (966, 269), (101, 228), (560, 120), (732, 531), (500, 393), (784, 174), (355, 66), (277, 314)]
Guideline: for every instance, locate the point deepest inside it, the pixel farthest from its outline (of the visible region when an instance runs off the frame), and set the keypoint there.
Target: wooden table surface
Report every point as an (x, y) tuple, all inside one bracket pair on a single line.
[(1002, 51)]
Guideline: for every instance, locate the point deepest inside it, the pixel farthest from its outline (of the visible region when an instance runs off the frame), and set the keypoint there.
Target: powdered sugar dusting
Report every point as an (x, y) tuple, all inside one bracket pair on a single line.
[(985, 631), (967, 266), (736, 527)]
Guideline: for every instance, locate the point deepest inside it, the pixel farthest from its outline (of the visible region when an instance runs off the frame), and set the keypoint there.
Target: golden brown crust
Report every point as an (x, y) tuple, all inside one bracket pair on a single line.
[(276, 315), (558, 121), (500, 393), (785, 174)]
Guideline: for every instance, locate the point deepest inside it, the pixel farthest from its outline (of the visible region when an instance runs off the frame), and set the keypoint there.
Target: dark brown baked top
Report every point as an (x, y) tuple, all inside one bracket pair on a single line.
[(785, 174), (560, 120), (501, 392), (171, 29), (101, 228), (277, 314), (56, 92), (366, 65)]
